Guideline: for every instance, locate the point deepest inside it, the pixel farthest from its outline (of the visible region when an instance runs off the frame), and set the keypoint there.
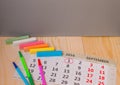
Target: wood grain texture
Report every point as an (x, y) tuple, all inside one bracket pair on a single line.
[(108, 47)]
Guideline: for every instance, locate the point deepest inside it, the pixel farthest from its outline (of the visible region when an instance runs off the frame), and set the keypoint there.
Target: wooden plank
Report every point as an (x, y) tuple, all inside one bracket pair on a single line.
[(108, 47), (7, 70), (115, 43), (67, 44)]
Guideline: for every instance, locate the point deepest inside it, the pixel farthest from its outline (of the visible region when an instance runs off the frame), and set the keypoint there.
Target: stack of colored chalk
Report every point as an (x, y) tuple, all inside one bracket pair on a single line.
[(32, 45)]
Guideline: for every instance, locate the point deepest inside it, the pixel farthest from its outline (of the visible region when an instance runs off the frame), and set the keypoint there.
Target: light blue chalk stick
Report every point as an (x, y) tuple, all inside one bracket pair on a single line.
[(57, 53)]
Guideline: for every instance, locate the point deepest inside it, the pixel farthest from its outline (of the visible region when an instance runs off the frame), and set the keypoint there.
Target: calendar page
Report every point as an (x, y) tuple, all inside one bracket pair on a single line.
[(71, 69)]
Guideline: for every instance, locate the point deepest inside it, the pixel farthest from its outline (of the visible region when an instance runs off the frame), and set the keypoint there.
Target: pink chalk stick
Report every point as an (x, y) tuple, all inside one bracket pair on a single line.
[(21, 46)]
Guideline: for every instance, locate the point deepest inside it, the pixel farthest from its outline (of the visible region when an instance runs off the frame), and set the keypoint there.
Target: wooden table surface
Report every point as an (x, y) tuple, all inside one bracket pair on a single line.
[(108, 47)]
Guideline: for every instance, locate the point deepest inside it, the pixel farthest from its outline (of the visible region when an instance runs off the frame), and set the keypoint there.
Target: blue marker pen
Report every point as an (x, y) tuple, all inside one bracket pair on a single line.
[(20, 74)]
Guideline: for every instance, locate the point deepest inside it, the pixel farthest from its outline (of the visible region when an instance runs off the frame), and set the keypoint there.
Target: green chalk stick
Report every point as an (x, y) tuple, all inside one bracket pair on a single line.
[(10, 41)]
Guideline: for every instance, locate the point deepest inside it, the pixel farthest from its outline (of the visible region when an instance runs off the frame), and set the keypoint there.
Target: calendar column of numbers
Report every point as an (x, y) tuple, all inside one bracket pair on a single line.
[(66, 72), (101, 75), (53, 71), (33, 67), (77, 77), (90, 74)]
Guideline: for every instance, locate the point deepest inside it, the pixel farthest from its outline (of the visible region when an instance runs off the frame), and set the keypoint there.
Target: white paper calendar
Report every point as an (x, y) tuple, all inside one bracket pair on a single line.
[(71, 69)]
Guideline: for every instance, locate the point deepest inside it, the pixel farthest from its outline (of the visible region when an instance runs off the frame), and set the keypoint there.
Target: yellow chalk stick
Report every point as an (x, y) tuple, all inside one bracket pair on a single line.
[(32, 51)]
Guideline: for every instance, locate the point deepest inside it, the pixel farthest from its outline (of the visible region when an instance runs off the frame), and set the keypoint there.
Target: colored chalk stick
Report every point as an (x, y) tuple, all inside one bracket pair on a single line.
[(24, 41), (32, 51), (35, 46), (56, 53), (21, 46), (10, 40)]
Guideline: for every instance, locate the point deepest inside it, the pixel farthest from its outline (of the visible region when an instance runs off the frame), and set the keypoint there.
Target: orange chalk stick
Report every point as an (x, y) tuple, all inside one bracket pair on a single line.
[(35, 46)]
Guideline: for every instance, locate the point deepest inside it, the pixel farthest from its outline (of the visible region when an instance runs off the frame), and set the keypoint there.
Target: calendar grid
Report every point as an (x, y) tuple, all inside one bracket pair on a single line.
[(71, 69)]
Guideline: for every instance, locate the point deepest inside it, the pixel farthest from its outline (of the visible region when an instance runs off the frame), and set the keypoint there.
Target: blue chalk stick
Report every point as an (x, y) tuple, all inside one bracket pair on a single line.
[(57, 53)]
